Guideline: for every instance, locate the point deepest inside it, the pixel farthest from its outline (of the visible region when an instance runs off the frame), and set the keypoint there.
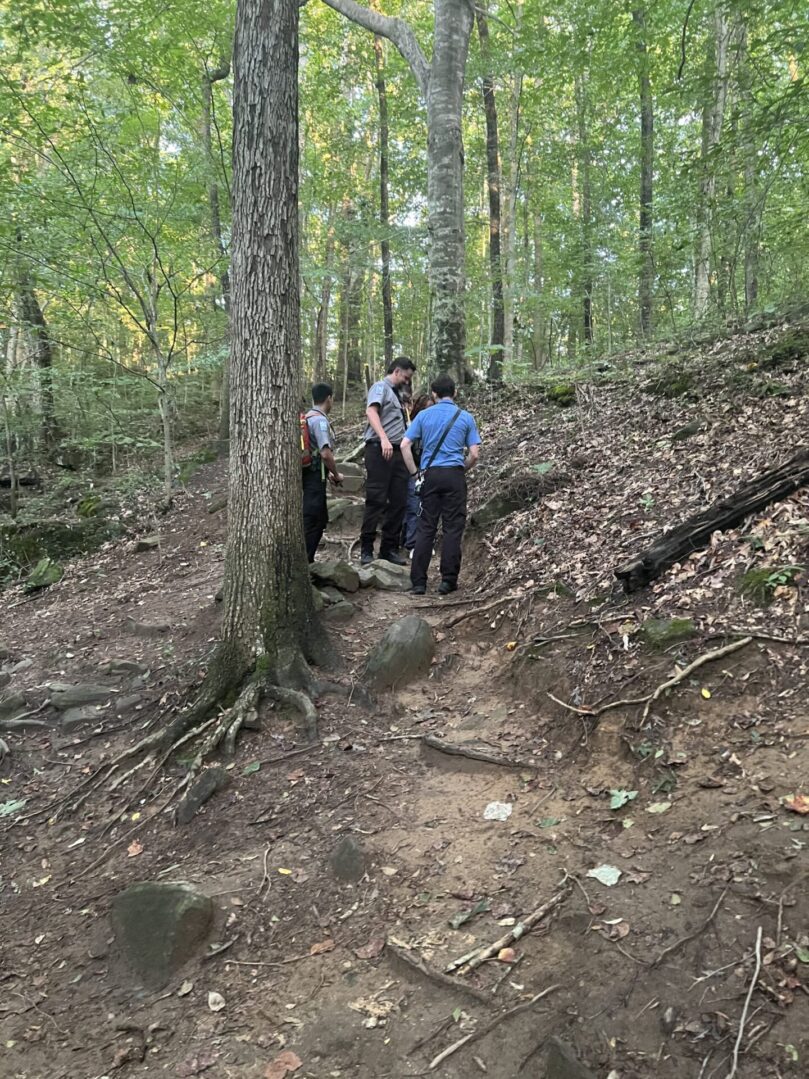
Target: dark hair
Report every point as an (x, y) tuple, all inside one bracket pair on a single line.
[(443, 386), (320, 391), (403, 363), (421, 402)]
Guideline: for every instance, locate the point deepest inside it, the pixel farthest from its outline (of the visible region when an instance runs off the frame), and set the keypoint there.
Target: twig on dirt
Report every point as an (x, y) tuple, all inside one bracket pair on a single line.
[(221, 948), (292, 753), (733, 632), (700, 661), (501, 601), (476, 1036), (266, 875), (507, 973), (743, 1019), (451, 750), (691, 936), (650, 698), (446, 1022), (384, 805), (473, 959), (423, 967)]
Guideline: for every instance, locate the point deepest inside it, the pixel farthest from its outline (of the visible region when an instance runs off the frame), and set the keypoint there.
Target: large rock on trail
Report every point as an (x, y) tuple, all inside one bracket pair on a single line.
[(661, 633), (64, 695), (385, 576), (339, 574), (405, 651), (348, 860), (159, 927), (346, 512), (562, 1062)]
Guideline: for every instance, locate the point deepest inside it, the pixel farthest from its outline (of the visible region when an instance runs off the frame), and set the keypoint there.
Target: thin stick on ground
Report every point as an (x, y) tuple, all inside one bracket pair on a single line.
[(691, 936), (502, 601), (743, 1019), (476, 1036), (650, 698), (423, 967), (473, 959)]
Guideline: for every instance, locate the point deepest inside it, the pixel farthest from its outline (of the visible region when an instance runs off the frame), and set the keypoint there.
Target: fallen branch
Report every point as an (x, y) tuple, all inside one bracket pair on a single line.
[(473, 959), (650, 698), (439, 745), (691, 936), (476, 1036), (501, 602), (695, 533), (745, 1009), (433, 975)]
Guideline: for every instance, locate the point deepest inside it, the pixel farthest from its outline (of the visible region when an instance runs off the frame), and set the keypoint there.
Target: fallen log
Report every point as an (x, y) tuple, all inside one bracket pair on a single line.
[(695, 533)]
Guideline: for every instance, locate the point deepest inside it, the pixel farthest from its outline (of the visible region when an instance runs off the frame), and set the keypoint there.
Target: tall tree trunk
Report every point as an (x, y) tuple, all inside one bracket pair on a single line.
[(584, 156), (351, 301), (645, 248), (384, 212), (495, 372), (209, 77), (441, 85), (34, 323), (751, 222), (712, 118), (320, 361), (453, 26), (267, 595), (511, 193)]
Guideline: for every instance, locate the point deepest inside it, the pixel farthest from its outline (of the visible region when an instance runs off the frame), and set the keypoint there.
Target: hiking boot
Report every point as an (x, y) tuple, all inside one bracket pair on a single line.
[(446, 587), (418, 590), (366, 558), (394, 557)]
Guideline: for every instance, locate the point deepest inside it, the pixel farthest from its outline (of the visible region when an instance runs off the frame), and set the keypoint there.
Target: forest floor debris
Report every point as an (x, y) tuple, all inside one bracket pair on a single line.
[(709, 847)]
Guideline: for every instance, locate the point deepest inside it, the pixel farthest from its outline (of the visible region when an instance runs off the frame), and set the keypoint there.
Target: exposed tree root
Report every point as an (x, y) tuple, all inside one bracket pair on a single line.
[(291, 683)]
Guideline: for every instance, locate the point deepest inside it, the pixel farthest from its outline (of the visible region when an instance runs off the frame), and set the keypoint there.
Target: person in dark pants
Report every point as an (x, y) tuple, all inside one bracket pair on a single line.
[(321, 440), (424, 400), (386, 474), (450, 447)]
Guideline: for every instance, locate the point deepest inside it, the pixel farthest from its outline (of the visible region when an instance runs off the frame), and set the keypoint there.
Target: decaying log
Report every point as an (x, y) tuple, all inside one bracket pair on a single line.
[(693, 534)]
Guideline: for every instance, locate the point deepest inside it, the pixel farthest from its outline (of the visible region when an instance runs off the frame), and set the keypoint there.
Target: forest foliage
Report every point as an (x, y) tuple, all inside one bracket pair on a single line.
[(115, 170)]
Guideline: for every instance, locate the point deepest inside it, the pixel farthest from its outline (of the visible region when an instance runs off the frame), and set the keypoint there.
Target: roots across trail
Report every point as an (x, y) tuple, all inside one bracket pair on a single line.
[(208, 725)]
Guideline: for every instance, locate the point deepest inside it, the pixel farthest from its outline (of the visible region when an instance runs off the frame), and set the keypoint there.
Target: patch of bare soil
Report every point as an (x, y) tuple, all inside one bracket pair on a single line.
[(661, 836)]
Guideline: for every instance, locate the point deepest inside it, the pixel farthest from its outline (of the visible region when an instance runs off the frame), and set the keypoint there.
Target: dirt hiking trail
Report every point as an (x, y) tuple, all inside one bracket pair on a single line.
[(664, 835)]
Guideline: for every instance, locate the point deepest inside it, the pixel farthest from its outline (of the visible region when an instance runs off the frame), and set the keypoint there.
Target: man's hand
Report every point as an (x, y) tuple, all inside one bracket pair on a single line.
[(336, 478), (387, 449)]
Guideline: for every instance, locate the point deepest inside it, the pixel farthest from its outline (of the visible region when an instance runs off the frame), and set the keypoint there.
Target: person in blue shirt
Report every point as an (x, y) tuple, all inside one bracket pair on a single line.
[(450, 447)]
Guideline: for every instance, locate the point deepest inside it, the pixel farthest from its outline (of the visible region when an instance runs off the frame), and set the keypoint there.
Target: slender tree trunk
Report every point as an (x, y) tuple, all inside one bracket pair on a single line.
[(267, 595), (645, 242), (751, 223), (712, 118), (495, 373), (34, 325), (384, 212), (511, 194), (453, 26), (209, 78), (320, 362), (585, 209), (538, 336)]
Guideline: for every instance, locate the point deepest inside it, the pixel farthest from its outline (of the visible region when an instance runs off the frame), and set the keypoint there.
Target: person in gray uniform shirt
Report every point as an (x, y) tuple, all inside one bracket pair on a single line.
[(321, 440), (386, 474)]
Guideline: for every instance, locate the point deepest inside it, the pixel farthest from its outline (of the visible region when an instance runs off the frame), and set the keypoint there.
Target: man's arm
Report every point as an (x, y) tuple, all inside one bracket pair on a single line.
[(472, 458), (331, 465), (407, 456), (372, 413)]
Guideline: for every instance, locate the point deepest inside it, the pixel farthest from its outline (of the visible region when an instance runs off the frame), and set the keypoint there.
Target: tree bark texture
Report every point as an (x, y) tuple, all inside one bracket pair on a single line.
[(712, 119), (267, 595), (320, 362), (645, 243), (384, 210), (510, 200), (585, 210), (209, 77), (441, 83), (696, 532), (34, 326), (495, 372), (453, 26)]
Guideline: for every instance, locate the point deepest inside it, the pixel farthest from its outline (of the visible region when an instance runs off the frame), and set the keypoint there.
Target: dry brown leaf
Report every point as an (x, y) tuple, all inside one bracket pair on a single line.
[(370, 950), (283, 1064), (134, 848), (327, 945), (797, 803)]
